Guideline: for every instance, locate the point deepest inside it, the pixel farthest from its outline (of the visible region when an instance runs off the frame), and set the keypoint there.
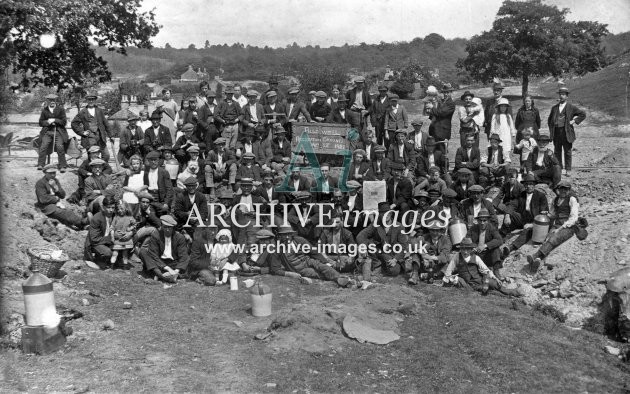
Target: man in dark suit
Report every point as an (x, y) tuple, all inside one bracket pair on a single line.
[(273, 87), (441, 114), (99, 242), (159, 184), (320, 109), (377, 115), (53, 123), (382, 233), (325, 185), (379, 165), (463, 183), (472, 206), (267, 191), (90, 123), (562, 118), (229, 116), (131, 141), (49, 194), (430, 157), (294, 109), (183, 204), (274, 111), (245, 213), (488, 240), (468, 157), (545, 164), (401, 151), (157, 136), (341, 115), (253, 113), (399, 189), (521, 214), (359, 99), (165, 253)]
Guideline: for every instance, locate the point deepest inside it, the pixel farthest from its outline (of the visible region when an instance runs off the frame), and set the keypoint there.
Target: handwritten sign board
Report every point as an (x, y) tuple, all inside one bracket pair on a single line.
[(373, 193), (325, 138)]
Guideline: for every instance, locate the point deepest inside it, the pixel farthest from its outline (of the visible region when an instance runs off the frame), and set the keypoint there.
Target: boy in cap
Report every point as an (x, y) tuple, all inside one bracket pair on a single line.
[(280, 150), (399, 189), (359, 99), (275, 112), (91, 124), (497, 161), (49, 194), (165, 254), (229, 115), (131, 140), (379, 165), (184, 142), (96, 185), (253, 113), (402, 152), (248, 169), (220, 165), (562, 119), (53, 123), (472, 206), (564, 216), (295, 109), (465, 269), (395, 119), (99, 240), (463, 183), (183, 205)]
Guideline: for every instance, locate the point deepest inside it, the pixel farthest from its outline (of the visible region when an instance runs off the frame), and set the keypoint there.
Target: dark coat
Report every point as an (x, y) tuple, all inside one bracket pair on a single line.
[(298, 108), (179, 250), (386, 167), (126, 148), (364, 168), (408, 158), (396, 121), (59, 115), (468, 210), (352, 118), (182, 207), (43, 192), (378, 236), (403, 191), (441, 116), (508, 195), (277, 152), (152, 142), (165, 187), (332, 184), (537, 205), (378, 111), (472, 163), (493, 237), (570, 111), (351, 95), (81, 125), (247, 115), (280, 109), (321, 111), (422, 163)]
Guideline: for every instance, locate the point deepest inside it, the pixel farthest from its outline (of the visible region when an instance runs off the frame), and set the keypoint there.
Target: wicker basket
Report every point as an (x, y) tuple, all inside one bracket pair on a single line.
[(42, 260)]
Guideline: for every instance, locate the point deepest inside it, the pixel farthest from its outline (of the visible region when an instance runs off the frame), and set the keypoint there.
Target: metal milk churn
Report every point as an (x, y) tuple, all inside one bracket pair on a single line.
[(39, 300), (540, 229), (457, 230)]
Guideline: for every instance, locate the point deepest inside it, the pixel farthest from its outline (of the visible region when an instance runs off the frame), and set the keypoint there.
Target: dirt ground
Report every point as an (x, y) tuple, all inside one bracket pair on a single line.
[(194, 338)]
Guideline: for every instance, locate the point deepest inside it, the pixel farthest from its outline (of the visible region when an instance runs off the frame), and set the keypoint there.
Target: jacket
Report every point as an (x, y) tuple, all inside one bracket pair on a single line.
[(351, 95), (378, 236), (81, 125), (537, 205), (179, 249), (165, 187), (247, 115), (408, 158), (126, 148), (182, 207), (396, 121), (493, 237), (403, 191), (163, 138), (571, 112), (440, 116), (59, 115), (44, 193), (472, 163), (378, 110), (468, 211)]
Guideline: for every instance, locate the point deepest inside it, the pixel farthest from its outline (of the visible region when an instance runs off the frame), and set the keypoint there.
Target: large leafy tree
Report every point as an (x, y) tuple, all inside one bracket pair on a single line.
[(77, 26), (529, 38)]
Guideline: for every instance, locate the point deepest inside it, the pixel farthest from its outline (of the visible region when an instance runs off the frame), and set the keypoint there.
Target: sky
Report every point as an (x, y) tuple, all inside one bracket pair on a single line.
[(277, 23)]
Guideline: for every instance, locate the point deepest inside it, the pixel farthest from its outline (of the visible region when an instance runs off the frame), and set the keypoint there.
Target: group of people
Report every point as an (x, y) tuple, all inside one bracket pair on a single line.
[(235, 151)]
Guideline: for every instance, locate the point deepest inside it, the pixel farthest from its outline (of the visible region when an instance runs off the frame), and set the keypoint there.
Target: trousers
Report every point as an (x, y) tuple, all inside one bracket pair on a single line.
[(46, 142), (561, 144)]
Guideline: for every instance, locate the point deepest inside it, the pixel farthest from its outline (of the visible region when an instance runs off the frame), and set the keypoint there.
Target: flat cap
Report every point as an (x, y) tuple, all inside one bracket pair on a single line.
[(219, 141), (132, 116), (359, 79), (51, 97), (188, 127), (448, 193), (464, 171), (190, 181), (94, 149), (50, 168), (97, 162), (379, 148), (382, 88), (145, 195), (211, 93), (320, 93), (153, 155), (353, 184), (264, 234), (397, 166), (393, 96), (421, 193), (272, 93), (168, 220), (294, 90), (417, 122), (249, 155), (252, 93), (247, 181), (476, 189), (563, 185), (193, 149)]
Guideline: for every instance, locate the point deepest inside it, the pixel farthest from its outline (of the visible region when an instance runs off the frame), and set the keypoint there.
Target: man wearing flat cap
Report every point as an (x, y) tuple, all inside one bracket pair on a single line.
[(157, 136), (399, 189), (220, 165), (49, 194), (359, 99), (158, 182), (280, 150), (184, 142), (468, 156), (246, 213), (379, 165), (249, 168), (562, 119), (488, 240), (165, 254), (273, 87), (320, 109), (53, 123), (85, 170), (441, 114), (341, 115), (379, 107), (545, 164), (96, 185), (395, 118), (183, 206), (475, 203), (131, 140), (275, 111), (91, 124), (253, 113), (402, 152)]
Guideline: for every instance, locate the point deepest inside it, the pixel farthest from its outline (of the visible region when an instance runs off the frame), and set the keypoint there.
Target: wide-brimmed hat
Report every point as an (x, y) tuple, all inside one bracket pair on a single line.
[(503, 101), (285, 230), (529, 178), (467, 93), (466, 243)]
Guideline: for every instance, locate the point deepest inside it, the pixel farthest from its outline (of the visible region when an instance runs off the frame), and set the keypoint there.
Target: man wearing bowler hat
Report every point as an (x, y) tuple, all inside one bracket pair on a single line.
[(441, 114), (562, 119), (53, 134), (158, 135), (90, 123), (131, 140)]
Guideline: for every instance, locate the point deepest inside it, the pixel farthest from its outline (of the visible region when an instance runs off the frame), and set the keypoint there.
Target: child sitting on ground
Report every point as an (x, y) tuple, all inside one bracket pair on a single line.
[(123, 228), (526, 146), (221, 251)]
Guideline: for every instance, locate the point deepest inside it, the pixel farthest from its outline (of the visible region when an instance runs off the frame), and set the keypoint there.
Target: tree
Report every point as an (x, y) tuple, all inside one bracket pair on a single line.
[(403, 85), (434, 40), (207, 44), (534, 39), (191, 47), (314, 77), (71, 28), (168, 46)]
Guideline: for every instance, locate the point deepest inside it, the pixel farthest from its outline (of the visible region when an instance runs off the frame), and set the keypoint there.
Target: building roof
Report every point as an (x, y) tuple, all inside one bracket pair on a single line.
[(123, 114), (189, 75)]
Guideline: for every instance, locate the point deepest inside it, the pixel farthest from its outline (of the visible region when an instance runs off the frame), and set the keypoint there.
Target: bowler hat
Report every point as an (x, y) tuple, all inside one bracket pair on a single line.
[(563, 185), (447, 87), (529, 178), (496, 137), (383, 207), (168, 220), (467, 93)]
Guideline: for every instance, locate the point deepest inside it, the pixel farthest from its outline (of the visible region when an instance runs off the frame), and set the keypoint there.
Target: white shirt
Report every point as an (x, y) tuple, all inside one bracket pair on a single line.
[(358, 100), (401, 150), (383, 100), (153, 179), (431, 159), (247, 200), (192, 198), (342, 113), (325, 186), (280, 143), (368, 148), (528, 201), (561, 106), (296, 183), (220, 160), (241, 100), (351, 201), (168, 253), (476, 209), (92, 111), (540, 158), (273, 107), (270, 193), (247, 147), (395, 109), (291, 105), (418, 140), (252, 111)]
